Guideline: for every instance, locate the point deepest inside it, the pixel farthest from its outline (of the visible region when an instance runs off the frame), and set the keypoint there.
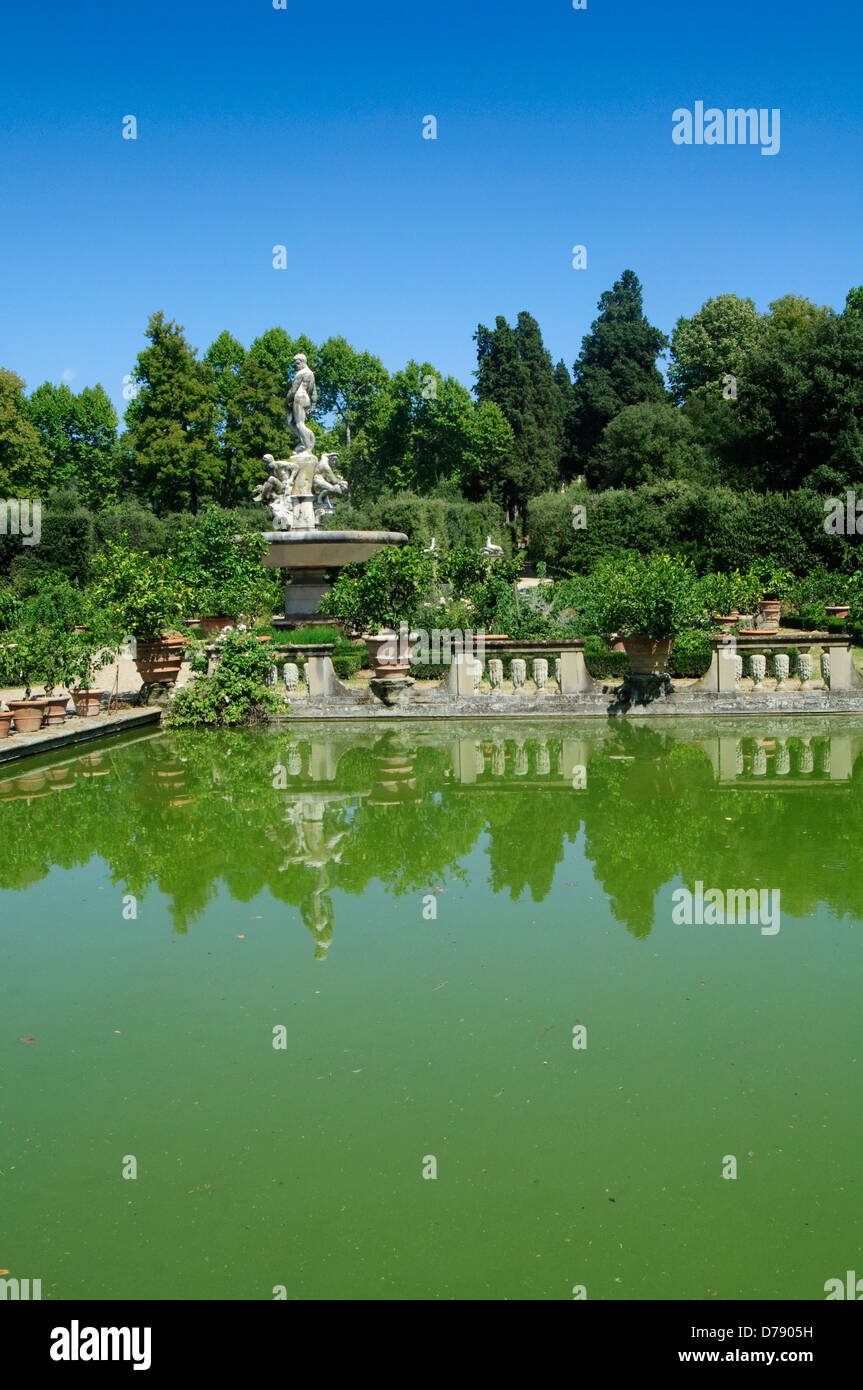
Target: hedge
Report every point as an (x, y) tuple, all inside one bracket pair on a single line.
[(718, 528), (452, 523)]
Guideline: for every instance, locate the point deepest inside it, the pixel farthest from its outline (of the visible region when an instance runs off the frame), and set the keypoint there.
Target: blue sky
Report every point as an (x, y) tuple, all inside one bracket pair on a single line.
[(303, 126)]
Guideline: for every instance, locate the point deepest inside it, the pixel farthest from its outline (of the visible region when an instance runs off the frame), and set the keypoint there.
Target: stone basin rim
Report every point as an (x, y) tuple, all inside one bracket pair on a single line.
[(311, 536)]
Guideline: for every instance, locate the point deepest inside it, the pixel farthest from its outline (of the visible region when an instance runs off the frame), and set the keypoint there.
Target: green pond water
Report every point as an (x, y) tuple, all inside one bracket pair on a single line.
[(429, 912)]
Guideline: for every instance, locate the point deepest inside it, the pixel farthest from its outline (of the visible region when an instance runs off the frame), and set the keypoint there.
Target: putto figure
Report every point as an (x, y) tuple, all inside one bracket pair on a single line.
[(302, 401), (300, 490)]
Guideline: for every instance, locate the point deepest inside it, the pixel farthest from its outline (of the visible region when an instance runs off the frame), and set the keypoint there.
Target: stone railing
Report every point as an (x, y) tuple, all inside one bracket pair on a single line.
[(549, 677), (742, 657)]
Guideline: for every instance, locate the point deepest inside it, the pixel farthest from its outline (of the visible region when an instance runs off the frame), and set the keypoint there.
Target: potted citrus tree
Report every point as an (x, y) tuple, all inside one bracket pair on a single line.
[(646, 600), (89, 654), (224, 570), (22, 664), (141, 595), (379, 596)]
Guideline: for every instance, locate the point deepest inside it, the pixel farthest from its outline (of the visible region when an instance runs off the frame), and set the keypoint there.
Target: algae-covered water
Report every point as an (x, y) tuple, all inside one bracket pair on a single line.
[(365, 1014)]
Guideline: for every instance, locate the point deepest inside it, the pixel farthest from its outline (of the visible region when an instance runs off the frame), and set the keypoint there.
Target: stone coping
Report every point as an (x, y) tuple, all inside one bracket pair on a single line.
[(75, 731), (313, 536)]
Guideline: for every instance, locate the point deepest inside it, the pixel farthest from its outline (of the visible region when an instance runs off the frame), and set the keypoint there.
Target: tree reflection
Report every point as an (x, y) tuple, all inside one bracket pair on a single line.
[(307, 814)]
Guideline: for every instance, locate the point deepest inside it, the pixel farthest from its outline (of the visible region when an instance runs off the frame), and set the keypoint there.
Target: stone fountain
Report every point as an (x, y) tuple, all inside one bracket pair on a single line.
[(301, 492)]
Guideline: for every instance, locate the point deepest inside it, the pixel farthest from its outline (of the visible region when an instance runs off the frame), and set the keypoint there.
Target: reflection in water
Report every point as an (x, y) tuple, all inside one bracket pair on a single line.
[(194, 814)]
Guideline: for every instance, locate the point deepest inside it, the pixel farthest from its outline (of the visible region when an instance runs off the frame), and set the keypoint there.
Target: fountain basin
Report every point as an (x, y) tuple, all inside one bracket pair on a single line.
[(310, 554)]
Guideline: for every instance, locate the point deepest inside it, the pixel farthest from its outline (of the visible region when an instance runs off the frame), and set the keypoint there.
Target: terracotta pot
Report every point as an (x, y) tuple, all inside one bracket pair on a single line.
[(837, 610), (55, 712), (30, 784), (385, 656), (160, 660), (208, 625), (87, 703), (5, 722), (769, 609), (28, 714), (647, 656)]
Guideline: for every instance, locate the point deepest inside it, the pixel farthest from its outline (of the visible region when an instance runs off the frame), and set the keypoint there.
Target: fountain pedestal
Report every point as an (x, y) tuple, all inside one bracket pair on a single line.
[(309, 553)]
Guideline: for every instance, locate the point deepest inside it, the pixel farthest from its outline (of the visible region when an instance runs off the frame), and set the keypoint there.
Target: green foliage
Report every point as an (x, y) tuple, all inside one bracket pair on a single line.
[(66, 545), (79, 435), (59, 604), (616, 368), (691, 654), (387, 590), (711, 343), (515, 375), (602, 663), (450, 522), (647, 443), (226, 574), (10, 607), (24, 464), (723, 593), (719, 528), (51, 656), (171, 439), (138, 593), (235, 694), (799, 408), (655, 596)]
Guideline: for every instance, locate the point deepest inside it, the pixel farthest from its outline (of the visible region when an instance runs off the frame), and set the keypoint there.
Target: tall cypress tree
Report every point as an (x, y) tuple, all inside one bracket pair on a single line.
[(504, 378), (617, 366), (546, 402), (567, 397)]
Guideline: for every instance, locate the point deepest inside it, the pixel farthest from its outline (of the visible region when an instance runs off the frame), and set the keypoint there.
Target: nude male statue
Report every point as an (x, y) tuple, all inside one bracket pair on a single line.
[(302, 401)]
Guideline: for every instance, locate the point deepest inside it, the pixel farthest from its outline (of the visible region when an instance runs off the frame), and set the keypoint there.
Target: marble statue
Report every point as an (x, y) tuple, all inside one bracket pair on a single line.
[(300, 490), (302, 401)]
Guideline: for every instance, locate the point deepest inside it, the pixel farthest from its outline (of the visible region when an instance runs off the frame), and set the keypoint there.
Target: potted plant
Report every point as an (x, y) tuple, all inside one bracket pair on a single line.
[(646, 600), (385, 592), (223, 569), (140, 594), (22, 665), (55, 646), (89, 655), (776, 584)]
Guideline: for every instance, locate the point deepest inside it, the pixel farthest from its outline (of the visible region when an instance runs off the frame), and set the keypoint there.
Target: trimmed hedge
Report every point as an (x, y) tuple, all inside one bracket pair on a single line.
[(452, 523), (717, 528)]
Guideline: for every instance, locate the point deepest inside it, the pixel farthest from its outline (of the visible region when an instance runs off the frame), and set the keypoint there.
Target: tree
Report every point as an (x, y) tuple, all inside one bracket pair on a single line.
[(567, 398), (24, 464), (617, 366), (854, 302), (225, 358), (712, 344), (647, 443), (504, 379), (171, 422), (794, 313), (547, 402), (79, 434), (800, 407), (346, 380)]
